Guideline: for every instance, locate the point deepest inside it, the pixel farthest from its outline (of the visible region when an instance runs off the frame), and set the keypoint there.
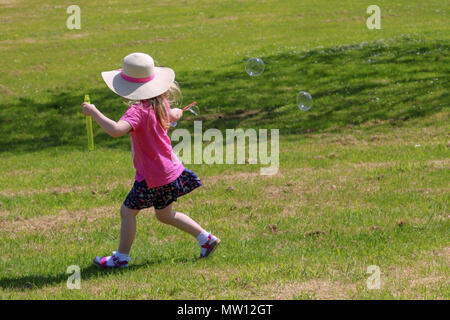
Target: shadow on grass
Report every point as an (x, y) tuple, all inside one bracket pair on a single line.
[(350, 85), (31, 282)]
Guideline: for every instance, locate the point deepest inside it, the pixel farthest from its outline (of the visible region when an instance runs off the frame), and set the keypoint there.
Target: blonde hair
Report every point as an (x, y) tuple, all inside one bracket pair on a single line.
[(172, 96)]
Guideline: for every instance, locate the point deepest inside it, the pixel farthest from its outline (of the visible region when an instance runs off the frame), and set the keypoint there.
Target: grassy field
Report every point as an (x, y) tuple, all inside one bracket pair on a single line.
[(364, 175)]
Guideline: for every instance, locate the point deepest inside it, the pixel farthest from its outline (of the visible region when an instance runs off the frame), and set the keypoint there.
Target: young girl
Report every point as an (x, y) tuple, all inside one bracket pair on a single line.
[(160, 177)]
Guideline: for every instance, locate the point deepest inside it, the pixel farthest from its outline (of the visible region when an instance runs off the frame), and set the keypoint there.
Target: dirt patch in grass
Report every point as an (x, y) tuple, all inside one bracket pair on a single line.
[(346, 140), (374, 165), (426, 190), (3, 214), (56, 190), (278, 192), (66, 36), (429, 271), (311, 173), (22, 40), (66, 189), (22, 172), (211, 116), (244, 176), (249, 177), (317, 288), (440, 164), (431, 281), (8, 3), (59, 222), (437, 164), (147, 41), (225, 18), (75, 35), (4, 90), (353, 137), (445, 254)]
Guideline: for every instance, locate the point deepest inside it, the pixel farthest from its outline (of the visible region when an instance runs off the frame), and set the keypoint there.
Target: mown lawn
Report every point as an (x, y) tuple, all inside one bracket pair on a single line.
[(363, 177)]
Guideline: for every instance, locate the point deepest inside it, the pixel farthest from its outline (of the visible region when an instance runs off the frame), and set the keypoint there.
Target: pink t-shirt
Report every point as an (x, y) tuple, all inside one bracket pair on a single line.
[(153, 157)]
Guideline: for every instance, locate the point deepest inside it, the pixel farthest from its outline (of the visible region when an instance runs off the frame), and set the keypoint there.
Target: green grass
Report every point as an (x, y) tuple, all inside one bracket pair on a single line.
[(363, 176)]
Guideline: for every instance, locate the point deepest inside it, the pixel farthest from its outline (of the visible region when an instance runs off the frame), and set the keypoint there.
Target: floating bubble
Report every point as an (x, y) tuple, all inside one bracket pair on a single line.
[(254, 67), (177, 97), (304, 101), (173, 124), (195, 110)]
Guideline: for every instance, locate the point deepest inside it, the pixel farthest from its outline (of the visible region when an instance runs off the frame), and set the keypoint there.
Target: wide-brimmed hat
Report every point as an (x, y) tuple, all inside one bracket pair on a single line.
[(139, 79)]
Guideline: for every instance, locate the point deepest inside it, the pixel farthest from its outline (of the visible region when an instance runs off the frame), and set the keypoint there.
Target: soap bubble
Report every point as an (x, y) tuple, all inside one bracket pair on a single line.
[(304, 101), (254, 67), (173, 124), (195, 110), (177, 97)]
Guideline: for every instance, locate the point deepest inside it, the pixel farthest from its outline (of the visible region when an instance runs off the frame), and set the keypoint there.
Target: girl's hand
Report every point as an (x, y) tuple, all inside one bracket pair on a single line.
[(88, 109), (175, 114)]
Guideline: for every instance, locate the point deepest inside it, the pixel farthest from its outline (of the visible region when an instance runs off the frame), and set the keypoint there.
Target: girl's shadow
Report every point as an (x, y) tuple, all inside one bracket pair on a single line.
[(31, 282)]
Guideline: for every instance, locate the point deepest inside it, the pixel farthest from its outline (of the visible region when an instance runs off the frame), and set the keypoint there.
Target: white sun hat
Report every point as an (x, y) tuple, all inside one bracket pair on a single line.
[(139, 79)]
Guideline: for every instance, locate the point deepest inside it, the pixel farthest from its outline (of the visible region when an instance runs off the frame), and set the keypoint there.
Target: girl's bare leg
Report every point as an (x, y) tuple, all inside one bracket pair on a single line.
[(178, 220), (128, 229)]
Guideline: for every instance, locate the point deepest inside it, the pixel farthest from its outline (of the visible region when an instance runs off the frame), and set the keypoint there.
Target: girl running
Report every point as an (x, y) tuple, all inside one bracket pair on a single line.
[(160, 177)]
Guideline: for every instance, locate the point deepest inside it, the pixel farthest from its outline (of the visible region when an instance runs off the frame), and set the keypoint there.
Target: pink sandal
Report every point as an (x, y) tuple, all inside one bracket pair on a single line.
[(110, 262), (209, 246)]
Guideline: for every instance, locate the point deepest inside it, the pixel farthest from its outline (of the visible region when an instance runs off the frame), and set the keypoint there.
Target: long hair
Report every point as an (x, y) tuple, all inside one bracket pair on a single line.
[(172, 95)]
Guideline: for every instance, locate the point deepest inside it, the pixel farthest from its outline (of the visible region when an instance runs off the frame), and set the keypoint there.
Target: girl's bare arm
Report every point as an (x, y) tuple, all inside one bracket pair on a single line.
[(113, 128)]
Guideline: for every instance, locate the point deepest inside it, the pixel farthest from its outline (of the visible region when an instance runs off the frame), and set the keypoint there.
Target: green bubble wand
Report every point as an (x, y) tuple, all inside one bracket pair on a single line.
[(89, 129)]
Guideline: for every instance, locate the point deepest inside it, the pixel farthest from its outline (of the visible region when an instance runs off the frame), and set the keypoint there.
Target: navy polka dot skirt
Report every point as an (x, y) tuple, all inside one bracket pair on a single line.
[(141, 196)]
